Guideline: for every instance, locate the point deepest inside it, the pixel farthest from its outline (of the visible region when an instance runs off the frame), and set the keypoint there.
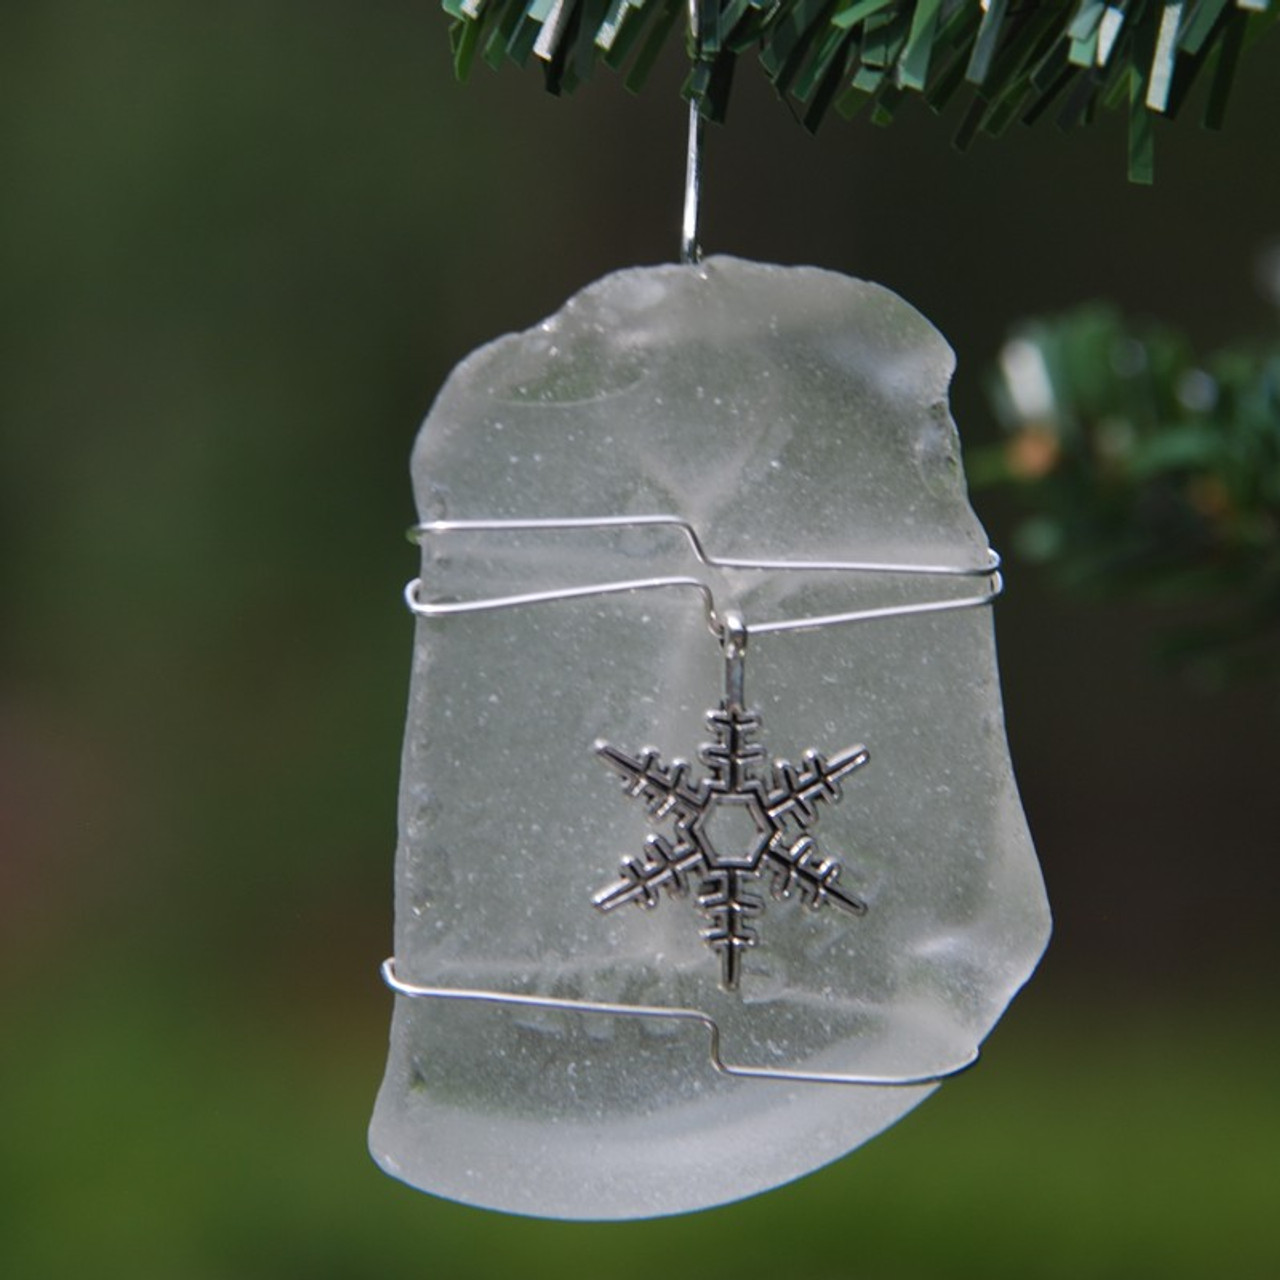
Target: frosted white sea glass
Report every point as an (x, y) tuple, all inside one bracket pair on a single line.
[(788, 413)]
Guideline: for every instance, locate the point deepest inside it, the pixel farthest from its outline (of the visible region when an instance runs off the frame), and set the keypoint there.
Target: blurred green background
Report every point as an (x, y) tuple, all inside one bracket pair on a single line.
[(240, 246)]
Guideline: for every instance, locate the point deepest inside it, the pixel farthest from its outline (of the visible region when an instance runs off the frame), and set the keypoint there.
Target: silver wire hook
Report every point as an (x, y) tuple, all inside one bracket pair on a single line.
[(690, 248)]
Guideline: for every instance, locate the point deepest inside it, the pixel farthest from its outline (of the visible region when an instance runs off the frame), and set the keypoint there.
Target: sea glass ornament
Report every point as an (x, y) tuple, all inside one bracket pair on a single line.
[(711, 859)]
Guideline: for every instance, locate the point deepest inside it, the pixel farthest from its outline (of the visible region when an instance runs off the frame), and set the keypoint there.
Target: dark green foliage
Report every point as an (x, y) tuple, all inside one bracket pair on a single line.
[(1150, 473), (1016, 60)]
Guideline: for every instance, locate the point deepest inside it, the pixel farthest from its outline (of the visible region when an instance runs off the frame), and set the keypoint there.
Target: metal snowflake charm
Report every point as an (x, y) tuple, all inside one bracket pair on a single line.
[(734, 826)]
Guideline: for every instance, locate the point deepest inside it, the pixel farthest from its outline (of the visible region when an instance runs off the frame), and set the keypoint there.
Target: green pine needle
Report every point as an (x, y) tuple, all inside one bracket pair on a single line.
[(1016, 60), (1147, 472)]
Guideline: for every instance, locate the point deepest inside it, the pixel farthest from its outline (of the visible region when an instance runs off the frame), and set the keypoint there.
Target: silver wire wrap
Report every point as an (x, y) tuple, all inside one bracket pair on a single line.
[(733, 633), (675, 1014), (988, 572)]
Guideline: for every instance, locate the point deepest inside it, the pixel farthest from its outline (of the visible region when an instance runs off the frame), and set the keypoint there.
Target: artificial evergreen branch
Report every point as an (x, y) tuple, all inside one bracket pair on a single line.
[(1013, 60), (1150, 474)]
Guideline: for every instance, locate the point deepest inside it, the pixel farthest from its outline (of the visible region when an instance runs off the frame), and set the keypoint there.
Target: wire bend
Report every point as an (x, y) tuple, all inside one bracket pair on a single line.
[(417, 991), (989, 571)]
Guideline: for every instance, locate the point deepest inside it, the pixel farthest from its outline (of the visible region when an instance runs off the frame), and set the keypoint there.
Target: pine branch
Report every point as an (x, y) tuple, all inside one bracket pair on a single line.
[(1013, 60), (1150, 474)]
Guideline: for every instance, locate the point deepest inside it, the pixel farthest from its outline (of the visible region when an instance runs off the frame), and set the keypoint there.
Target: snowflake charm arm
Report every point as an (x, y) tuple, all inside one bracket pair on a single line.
[(663, 790), (664, 866), (796, 792), (801, 869), (729, 908)]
